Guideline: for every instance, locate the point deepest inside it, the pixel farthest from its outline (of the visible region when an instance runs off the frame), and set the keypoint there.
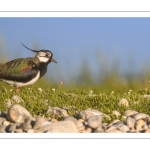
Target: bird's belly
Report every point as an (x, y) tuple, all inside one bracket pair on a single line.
[(20, 84)]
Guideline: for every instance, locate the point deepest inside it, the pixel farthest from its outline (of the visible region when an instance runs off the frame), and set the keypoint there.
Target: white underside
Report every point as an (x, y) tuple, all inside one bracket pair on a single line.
[(19, 84)]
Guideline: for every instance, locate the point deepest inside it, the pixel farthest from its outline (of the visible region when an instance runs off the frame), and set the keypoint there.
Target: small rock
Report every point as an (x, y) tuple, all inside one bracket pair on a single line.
[(6, 123), (80, 120), (147, 131), (54, 120), (3, 114), (70, 118), (14, 126), (139, 124), (26, 125), (145, 127), (94, 121), (99, 129), (124, 117), (129, 113), (146, 96), (116, 113), (17, 99), (118, 124), (132, 131), (114, 131), (130, 122), (2, 128), (113, 122), (17, 113), (123, 128), (88, 130), (85, 114), (18, 131), (111, 128), (57, 111), (80, 126), (38, 123), (30, 131), (45, 123), (8, 103), (2, 120), (147, 119), (139, 116), (37, 131), (123, 102), (60, 127)]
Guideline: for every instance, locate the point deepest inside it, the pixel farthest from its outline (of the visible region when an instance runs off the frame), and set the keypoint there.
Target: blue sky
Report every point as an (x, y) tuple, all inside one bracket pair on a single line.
[(74, 39)]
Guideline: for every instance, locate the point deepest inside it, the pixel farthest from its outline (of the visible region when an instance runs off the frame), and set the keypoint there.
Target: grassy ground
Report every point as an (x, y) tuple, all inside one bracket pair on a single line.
[(104, 98)]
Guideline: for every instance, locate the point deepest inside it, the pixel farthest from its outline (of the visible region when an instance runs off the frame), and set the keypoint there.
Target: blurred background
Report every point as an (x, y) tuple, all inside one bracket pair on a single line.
[(103, 53)]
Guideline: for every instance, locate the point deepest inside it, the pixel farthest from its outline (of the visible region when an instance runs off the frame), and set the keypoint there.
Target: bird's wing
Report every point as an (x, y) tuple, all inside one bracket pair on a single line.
[(20, 70)]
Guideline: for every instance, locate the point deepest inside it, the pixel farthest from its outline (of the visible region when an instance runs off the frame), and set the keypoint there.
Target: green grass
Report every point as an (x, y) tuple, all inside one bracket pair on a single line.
[(77, 99)]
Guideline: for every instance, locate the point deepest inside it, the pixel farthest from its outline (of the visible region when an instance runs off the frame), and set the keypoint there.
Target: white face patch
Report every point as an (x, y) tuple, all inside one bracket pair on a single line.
[(43, 59), (43, 56)]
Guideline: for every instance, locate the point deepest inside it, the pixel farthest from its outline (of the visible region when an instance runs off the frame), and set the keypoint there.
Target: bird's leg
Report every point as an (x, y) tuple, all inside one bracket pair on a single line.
[(32, 86), (17, 89)]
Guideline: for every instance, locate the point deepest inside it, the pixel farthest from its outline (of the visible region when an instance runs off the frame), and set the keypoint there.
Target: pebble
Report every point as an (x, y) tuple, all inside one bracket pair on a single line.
[(80, 126), (6, 123), (139, 116), (116, 113), (30, 131), (17, 99), (2, 120), (139, 124), (18, 120), (45, 123), (18, 131), (94, 121), (111, 128), (88, 130), (147, 131), (99, 129), (14, 126), (130, 122), (145, 127), (38, 123), (123, 102), (70, 118), (85, 114), (123, 128), (26, 125), (54, 120), (2, 128), (57, 111), (129, 113), (61, 127), (114, 131), (17, 113), (118, 124)]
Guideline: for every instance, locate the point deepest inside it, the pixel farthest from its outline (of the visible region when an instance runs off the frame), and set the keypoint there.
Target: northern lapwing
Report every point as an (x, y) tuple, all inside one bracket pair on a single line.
[(26, 71)]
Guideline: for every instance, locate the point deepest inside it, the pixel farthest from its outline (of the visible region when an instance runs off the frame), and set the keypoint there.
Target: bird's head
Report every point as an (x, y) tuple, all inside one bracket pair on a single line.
[(44, 56)]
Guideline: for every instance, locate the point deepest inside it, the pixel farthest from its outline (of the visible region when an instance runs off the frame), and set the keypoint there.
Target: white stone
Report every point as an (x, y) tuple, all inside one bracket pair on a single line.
[(123, 102), (94, 121)]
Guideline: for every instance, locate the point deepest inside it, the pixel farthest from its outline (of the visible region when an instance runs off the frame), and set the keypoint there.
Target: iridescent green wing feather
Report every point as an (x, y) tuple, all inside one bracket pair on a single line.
[(20, 70)]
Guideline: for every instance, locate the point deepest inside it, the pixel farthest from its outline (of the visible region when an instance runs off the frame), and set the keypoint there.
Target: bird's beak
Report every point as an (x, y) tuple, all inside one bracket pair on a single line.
[(53, 60)]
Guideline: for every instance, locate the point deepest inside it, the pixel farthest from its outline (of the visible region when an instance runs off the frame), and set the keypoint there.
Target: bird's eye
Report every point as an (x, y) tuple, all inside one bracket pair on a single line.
[(48, 54)]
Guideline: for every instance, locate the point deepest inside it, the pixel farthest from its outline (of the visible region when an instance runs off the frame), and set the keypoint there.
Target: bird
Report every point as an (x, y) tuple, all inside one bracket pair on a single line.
[(26, 71)]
